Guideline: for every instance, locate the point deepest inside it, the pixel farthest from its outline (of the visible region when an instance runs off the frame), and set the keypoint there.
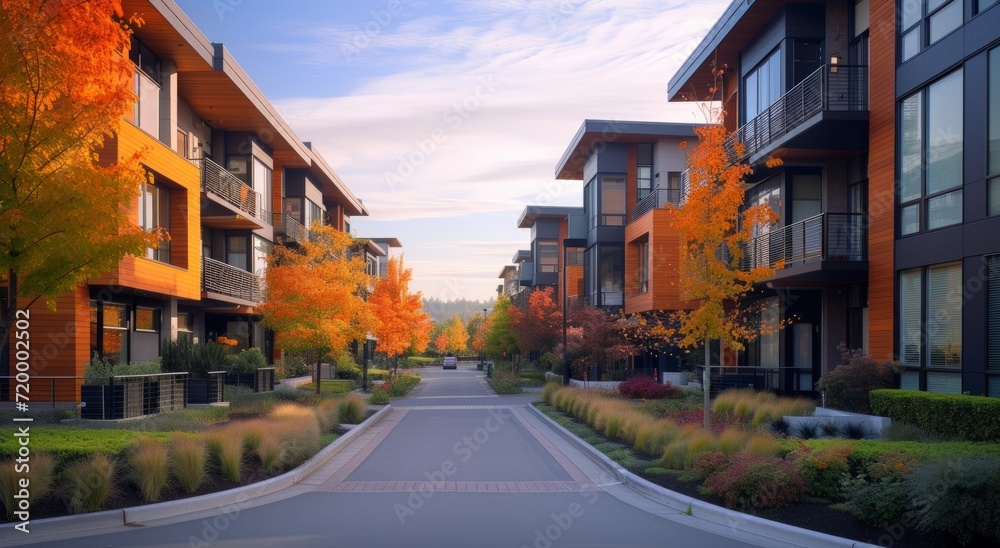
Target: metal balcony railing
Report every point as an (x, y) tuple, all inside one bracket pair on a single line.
[(293, 230), (830, 87), (224, 279), (657, 198), (827, 236), (222, 183)]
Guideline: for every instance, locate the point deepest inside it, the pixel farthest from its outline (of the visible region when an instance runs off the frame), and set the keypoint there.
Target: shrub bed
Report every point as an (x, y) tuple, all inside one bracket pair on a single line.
[(974, 418), (642, 387)]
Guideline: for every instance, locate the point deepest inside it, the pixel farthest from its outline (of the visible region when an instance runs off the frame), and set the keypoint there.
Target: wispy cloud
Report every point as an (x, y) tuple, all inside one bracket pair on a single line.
[(477, 102)]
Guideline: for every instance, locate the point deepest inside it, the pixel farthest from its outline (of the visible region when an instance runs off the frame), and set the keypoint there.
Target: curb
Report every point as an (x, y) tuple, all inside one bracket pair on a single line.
[(737, 521), (230, 500)]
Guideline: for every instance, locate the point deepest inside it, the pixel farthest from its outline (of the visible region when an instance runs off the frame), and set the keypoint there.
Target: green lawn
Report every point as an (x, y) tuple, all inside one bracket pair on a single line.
[(70, 442), (341, 386)]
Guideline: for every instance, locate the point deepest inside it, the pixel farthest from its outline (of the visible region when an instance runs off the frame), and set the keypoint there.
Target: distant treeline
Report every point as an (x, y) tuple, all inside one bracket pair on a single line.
[(444, 311)]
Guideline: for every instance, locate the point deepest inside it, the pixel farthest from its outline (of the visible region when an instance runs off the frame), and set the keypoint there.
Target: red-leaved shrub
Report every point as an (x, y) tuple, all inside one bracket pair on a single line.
[(754, 482), (646, 388), (710, 462)]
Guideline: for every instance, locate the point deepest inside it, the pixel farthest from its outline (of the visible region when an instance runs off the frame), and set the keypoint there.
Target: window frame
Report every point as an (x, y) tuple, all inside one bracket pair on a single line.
[(159, 195), (642, 254), (919, 204), (643, 190), (918, 333), (922, 25)]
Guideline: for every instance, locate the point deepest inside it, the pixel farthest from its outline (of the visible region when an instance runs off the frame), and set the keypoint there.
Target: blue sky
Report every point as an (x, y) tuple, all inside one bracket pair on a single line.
[(447, 118)]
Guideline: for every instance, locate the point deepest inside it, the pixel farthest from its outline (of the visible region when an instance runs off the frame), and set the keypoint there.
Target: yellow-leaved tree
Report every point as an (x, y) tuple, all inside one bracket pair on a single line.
[(714, 228), (65, 84)]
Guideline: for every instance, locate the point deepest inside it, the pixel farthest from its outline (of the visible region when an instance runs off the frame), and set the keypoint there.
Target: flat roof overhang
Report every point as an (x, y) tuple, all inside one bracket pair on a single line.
[(739, 24), (533, 213), (593, 133)]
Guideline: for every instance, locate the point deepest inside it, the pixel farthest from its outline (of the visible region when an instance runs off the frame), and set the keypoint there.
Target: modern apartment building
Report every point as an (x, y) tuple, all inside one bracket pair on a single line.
[(884, 115), (550, 227), (630, 170), (228, 179)]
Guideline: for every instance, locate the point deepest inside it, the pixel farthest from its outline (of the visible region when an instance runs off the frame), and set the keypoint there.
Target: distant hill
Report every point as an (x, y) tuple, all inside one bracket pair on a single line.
[(443, 311)]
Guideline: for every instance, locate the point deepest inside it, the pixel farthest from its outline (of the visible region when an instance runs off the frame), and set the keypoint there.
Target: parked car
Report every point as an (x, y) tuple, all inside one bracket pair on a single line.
[(450, 362)]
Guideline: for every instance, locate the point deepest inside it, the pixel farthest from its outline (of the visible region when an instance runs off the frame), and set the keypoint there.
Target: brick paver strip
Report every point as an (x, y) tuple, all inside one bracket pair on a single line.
[(567, 465)]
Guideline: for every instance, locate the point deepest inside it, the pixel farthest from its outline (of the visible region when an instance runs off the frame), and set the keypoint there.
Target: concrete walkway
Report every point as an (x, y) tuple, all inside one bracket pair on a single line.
[(453, 464)]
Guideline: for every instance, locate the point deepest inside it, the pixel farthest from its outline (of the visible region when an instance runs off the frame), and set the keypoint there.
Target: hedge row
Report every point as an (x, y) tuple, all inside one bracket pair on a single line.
[(974, 418)]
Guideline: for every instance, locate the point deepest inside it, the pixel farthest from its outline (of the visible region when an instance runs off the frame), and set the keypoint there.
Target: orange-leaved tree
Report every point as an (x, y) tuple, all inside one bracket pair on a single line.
[(314, 295), (714, 228), (399, 315), (65, 84), (458, 337)]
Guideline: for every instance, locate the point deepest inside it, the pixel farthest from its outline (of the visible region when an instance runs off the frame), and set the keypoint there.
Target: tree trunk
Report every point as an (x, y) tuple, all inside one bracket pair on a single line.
[(706, 385), (10, 310), (318, 375)]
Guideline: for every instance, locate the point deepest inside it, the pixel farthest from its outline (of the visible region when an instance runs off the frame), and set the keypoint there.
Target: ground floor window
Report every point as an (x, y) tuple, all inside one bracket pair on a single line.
[(109, 325), (930, 327)]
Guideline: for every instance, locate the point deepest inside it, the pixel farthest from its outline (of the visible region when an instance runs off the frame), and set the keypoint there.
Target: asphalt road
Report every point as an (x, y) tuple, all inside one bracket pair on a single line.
[(451, 465)]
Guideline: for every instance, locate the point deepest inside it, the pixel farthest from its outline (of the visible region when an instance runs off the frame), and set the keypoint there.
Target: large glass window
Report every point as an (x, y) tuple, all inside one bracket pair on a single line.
[(262, 184), (924, 22), (613, 200), (930, 159), (611, 275), (146, 86), (994, 196), (944, 315), (147, 319), (236, 252), (983, 4), (643, 256), (548, 255), (930, 323), (762, 86), (115, 331), (644, 169), (154, 213)]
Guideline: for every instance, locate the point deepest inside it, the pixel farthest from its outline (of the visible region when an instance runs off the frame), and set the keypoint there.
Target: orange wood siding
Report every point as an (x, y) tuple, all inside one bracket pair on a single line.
[(279, 204), (59, 343), (183, 278), (881, 180), (664, 268)]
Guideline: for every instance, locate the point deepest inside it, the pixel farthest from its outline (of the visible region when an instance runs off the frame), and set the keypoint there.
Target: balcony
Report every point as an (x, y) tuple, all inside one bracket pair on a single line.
[(825, 242), (294, 231), (527, 274), (659, 197), (229, 283), (234, 204), (837, 94)]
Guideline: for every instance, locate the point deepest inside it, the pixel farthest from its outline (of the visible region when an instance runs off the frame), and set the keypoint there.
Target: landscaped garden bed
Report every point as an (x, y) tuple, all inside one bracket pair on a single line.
[(922, 492), (84, 466)]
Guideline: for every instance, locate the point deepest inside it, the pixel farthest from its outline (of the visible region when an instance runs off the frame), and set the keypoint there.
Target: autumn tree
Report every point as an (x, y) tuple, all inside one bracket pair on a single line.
[(478, 327), (398, 314), (458, 337), (596, 338), (539, 326), (500, 339), (314, 295), (714, 229), (65, 84)]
